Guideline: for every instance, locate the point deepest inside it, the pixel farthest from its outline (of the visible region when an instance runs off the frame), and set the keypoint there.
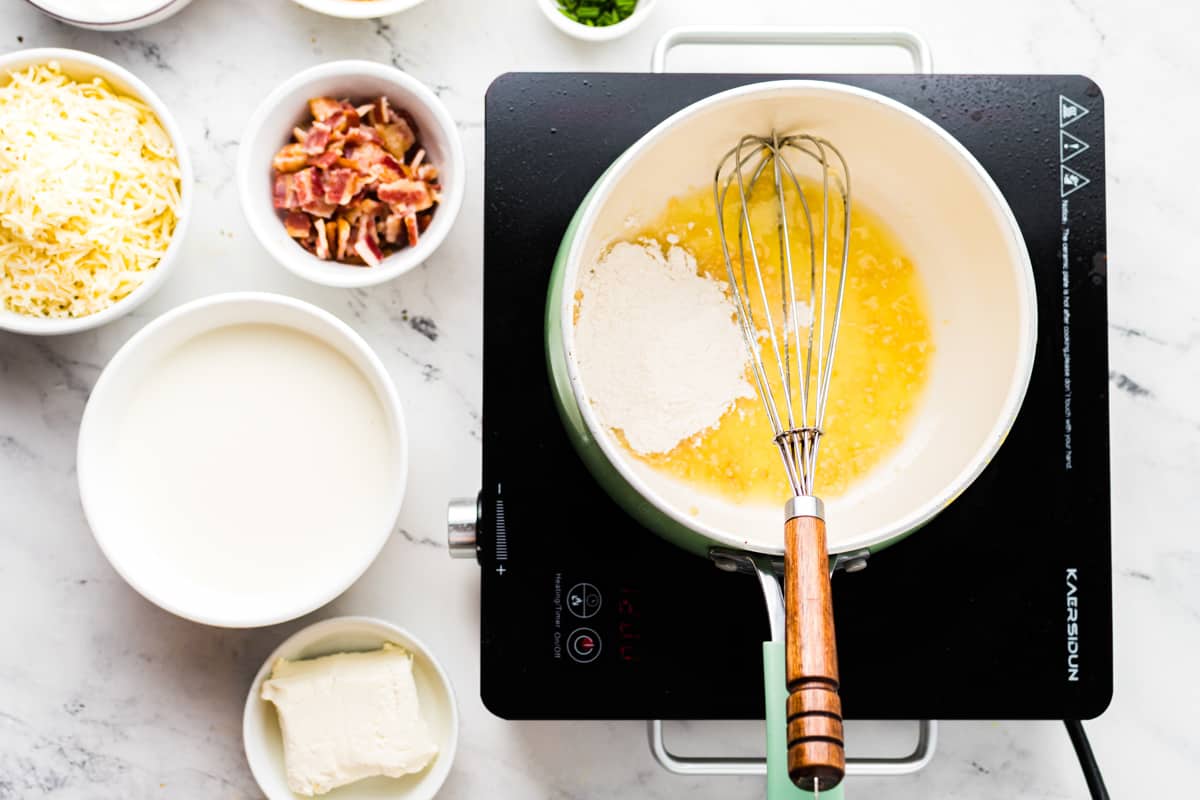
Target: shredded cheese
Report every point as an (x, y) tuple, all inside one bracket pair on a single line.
[(89, 193)]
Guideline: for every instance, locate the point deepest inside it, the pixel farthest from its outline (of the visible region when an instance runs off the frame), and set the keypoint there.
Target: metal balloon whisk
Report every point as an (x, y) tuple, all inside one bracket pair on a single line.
[(802, 342), (790, 344)]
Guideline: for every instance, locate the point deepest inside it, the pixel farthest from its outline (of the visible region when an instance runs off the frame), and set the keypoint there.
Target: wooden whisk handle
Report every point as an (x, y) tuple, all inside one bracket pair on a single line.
[(816, 750)]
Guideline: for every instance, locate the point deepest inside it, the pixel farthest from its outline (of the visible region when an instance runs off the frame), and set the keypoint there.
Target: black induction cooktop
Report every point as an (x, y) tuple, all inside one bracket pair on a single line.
[(1000, 608)]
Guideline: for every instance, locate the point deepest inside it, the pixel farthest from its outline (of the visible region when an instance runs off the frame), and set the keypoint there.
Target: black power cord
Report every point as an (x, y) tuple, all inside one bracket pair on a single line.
[(1091, 770)]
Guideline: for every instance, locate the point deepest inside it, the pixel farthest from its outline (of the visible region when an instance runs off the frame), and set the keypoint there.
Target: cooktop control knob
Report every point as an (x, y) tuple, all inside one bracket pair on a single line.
[(462, 519)]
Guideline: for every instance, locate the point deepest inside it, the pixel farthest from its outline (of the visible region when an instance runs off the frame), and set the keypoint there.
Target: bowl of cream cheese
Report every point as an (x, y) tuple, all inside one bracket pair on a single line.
[(353, 708)]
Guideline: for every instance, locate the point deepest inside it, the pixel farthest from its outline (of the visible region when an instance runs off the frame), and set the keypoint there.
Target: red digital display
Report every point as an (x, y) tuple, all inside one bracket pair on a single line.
[(629, 628)]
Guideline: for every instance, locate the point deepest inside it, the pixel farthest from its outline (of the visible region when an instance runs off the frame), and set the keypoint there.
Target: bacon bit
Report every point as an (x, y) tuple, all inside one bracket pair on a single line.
[(343, 238), (344, 184), (322, 108), (371, 208), (339, 122), (366, 244), (391, 228), (319, 208), (285, 192), (290, 159), (307, 185), (322, 243), (340, 186), (317, 138), (386, 170), (325, 160), (397, 137), (366, 155), (362, 134), (297, 224), (410, 195)]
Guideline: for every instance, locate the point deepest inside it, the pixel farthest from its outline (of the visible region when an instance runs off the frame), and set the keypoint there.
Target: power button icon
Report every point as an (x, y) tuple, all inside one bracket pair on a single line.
[(583, 645), (583, 600)]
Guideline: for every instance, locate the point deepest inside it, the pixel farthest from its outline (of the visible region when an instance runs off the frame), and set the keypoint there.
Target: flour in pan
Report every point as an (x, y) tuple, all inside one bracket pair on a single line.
[(657, 344)]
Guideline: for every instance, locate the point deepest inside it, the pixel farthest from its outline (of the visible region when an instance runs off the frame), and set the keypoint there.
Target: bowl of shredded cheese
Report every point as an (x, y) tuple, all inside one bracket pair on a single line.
[(95, 191)]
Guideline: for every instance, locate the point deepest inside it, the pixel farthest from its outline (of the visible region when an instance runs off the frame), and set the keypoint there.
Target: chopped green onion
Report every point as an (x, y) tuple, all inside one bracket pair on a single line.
[(597, 13)]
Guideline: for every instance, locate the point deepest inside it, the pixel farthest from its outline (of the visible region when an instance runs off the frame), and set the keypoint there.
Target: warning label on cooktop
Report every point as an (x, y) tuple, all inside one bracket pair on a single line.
[(1070, 180)]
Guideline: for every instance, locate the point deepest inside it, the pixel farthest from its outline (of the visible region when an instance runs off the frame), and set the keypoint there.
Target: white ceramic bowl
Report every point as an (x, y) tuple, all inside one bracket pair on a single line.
[(358, 9), (206, 594), (967, 247), (83, 66), (72, 15), (260, 722), (287, 106), (588, 33)]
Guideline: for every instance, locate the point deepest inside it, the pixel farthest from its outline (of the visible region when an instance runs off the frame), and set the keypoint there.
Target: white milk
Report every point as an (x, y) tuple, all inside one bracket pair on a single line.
[(253, 457), (102, 10)]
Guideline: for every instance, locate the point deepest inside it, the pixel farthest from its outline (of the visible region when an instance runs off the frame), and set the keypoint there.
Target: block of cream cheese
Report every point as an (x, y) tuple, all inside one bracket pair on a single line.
[(347, 717)]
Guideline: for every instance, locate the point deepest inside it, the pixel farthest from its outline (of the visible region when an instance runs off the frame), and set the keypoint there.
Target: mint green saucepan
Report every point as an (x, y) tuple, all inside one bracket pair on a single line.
[(978, 280)]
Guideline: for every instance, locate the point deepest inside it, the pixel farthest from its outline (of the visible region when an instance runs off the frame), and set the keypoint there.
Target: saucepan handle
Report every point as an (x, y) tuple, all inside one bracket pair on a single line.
[(779, 783), (904, 39)]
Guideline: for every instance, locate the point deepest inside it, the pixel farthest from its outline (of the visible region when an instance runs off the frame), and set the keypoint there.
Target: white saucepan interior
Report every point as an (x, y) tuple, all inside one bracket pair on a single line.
[(962, 236)]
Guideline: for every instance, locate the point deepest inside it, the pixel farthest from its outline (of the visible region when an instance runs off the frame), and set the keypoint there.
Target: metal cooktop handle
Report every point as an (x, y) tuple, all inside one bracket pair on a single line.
[(905, 39), (917, 760)]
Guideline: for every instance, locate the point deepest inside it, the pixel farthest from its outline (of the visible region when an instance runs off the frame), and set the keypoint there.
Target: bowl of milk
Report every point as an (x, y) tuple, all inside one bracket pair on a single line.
[(242, 459), (110, 15)]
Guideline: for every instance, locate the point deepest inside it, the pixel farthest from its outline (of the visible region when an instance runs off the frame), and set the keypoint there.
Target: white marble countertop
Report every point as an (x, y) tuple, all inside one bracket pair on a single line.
[(103, 695)]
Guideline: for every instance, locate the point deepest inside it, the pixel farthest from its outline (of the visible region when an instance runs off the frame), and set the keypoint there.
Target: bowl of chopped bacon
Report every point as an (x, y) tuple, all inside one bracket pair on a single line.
[(351, 173)]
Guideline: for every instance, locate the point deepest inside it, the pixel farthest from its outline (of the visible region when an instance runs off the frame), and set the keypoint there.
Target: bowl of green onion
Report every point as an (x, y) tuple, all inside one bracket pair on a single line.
[(596, 20)]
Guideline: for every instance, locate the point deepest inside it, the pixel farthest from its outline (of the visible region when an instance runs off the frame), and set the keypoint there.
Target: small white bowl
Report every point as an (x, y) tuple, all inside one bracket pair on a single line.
[(358, 9), (121, 533), (588, 33), (84, 66), (72, 14), (260, 723), (287, 106)]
